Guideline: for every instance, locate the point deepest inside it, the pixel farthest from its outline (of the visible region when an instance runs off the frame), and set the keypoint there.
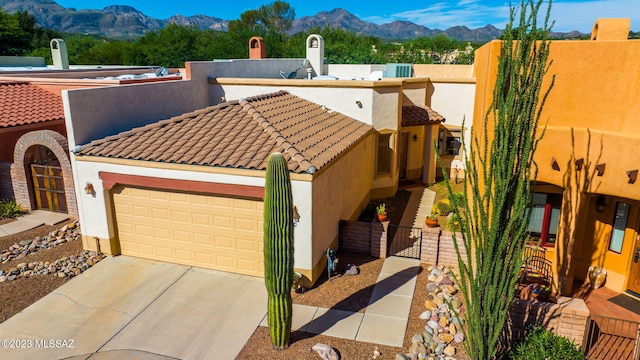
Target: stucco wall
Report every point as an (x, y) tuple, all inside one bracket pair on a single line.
[(99, 112), (379, 104), (340, 193), (440, 71), (354, 70), (590, 114), (95, 219)]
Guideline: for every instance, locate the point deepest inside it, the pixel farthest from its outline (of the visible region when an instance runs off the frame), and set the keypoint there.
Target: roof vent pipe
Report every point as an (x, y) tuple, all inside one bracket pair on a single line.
[(59, 54)]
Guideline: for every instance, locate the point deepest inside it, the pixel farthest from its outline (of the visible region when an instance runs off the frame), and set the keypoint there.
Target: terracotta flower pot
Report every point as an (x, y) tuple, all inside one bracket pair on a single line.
[(431, 222), (382, 217)]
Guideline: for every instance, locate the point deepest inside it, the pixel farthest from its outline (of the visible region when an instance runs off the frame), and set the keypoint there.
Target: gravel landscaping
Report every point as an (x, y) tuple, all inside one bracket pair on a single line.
[(35, 262)]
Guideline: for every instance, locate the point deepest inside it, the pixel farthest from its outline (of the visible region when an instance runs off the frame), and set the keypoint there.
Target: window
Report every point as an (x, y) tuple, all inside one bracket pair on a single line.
[(619, 224), (449, 142), (384, 154), (545, 217)]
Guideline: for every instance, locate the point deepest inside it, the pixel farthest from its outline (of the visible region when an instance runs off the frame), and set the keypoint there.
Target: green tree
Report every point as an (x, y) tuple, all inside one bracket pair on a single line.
[(13, 39), (170, 46), (496, 205), (277, 16)]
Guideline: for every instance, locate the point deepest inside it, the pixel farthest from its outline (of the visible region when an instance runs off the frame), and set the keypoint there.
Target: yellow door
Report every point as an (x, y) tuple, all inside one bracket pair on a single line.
[(215, 232)]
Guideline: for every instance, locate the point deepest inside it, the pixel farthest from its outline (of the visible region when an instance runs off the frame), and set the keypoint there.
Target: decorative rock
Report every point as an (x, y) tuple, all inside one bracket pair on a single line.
[(436, 300), (424, 316), (3, 279), (459, 337), (428, 329), (61, 274), (26, 242), (21, 265), (443, 322), (452, 329), (449, 350), (417, 338), (446, 281), (429, 305), (446, 338), (417, 348), (432, 324), (432, 278), (432, 287), (456, 304), (450, 289), (401, 357), (428, 337), (440, 349), (325, 351)]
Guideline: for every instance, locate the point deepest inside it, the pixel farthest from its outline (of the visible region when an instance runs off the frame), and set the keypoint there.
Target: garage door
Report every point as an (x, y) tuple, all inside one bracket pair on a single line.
[(216, 232)]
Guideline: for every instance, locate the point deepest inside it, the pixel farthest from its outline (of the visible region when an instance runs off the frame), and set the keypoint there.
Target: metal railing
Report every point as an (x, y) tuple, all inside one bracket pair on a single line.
[(609, 338), (404, 241)]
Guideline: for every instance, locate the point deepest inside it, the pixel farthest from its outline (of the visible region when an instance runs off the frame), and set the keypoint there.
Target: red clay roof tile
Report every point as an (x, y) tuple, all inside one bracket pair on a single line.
[(413, 115), (22, 103), (240, 135)]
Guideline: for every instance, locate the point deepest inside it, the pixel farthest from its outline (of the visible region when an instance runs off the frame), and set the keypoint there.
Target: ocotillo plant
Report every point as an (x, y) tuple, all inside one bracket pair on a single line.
[(499, 180), (278, 249)]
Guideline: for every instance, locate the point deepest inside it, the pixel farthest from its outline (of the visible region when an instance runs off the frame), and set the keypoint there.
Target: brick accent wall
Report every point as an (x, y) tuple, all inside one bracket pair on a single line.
[(566, 318), (438, 248), (6, 188), (355, 236), (369, 238), (23, 156), (379, 239)]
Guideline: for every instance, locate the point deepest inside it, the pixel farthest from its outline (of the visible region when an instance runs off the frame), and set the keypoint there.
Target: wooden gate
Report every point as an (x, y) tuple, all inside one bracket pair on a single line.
[(48, 187)]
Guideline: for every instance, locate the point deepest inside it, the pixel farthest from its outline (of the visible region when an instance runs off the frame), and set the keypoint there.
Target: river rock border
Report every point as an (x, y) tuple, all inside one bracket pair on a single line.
[(69, 267), (443, 319)]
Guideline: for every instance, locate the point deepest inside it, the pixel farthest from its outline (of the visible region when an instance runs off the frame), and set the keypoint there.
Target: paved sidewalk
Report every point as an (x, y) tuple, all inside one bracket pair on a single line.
[(385, 319), (32, 220)]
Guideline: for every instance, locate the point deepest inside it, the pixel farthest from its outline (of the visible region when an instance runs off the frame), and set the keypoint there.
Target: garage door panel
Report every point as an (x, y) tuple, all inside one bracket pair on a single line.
[(216, 232), (180, 216), (201, 219)]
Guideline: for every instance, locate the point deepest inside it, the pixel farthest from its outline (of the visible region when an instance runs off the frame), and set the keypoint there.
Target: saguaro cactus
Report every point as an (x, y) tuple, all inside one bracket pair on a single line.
[(278, 249)]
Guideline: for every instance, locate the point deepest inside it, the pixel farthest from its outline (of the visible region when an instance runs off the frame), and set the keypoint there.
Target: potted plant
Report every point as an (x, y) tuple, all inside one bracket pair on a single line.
[(381, 211), (432, 220)]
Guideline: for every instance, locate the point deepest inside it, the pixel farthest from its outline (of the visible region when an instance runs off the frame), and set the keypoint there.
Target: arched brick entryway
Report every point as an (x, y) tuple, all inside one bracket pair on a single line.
[(22, 158)]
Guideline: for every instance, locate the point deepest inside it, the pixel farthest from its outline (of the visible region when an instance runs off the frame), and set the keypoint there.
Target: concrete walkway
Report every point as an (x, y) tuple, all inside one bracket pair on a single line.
[(128, 308), (32, 220), (385, 319)]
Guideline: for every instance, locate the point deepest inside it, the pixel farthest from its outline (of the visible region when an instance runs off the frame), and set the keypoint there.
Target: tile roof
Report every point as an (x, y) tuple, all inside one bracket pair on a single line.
[(413, 115), (22, 103), (240, 134)]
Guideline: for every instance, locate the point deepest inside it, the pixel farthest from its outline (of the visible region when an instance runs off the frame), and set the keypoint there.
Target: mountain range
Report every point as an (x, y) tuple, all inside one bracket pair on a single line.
[(121, 21)]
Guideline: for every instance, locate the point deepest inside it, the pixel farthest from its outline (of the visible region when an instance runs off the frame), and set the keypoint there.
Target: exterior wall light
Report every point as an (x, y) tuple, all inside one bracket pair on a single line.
[(88, 189), (632, 175), (359, 103), (415, 137), (600, 169), (296, 216), (579, 163), (554, 164), (601, 204)]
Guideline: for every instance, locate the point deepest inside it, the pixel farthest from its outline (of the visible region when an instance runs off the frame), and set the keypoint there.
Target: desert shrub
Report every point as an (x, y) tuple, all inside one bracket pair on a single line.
[(542, 344), (9, 209), (442, 207)]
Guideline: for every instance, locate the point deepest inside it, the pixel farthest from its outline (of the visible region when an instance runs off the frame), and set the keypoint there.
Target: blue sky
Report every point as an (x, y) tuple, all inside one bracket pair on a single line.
[(435, 14)]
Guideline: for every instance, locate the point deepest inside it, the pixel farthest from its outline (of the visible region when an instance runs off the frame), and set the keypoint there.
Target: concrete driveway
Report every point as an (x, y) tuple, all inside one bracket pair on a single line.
[(129, 308)]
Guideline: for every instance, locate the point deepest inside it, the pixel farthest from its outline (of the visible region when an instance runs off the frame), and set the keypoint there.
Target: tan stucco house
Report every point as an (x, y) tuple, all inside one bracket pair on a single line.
[(175, 170)]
